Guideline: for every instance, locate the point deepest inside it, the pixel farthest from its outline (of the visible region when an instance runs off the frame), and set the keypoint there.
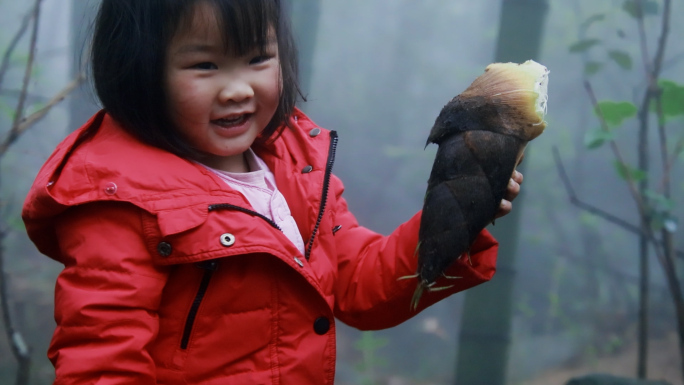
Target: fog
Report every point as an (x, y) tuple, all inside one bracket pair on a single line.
[(378, 72)]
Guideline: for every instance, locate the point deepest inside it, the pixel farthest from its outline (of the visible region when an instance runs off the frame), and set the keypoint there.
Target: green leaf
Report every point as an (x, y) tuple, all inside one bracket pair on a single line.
[(583, 45), (592, 67), (615, 113), (593, 19), (596, 138), (525, 309), (648, 7), (658, 219), (368, 342), (623, 59), (672, 98), (589, 220), (626, 172), (659, 202), (554, 304), (613, 344), (16, 224)]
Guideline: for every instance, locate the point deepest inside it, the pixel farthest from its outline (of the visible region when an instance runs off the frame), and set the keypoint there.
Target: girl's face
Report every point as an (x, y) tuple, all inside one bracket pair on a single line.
[(220, 102)]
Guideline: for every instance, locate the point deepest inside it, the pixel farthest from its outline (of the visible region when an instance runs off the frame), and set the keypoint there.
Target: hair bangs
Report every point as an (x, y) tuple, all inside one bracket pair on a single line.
[(246, 25)]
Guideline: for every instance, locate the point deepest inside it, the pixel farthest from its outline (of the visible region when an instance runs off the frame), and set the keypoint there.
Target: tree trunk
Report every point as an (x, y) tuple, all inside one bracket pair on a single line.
[(485, 329)]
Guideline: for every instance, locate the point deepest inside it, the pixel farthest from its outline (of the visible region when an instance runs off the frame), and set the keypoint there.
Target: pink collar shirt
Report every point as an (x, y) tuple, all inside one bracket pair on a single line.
[(259, 187)]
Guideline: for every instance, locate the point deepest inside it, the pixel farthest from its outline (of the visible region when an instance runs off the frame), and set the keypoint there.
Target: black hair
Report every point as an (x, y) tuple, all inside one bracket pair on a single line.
[(129, 51)]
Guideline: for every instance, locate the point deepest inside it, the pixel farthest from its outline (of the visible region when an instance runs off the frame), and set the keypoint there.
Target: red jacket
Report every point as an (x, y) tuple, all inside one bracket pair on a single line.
[(170, 278)]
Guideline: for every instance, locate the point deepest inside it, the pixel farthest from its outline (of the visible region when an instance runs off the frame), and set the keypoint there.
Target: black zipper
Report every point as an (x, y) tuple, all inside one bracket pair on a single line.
[(209, 268), (228, 206), (324, 197)]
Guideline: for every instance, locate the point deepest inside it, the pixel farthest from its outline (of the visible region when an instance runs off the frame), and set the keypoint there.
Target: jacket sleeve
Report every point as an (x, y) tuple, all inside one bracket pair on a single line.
[(369, 293), (106, 298)]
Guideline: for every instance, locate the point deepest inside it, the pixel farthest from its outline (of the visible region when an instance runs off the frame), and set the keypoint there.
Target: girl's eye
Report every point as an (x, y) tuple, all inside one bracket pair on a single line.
[(205, 66), (259, 59)]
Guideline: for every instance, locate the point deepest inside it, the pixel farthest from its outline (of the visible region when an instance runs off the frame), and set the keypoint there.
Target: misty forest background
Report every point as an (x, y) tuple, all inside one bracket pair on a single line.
[(566, 299)]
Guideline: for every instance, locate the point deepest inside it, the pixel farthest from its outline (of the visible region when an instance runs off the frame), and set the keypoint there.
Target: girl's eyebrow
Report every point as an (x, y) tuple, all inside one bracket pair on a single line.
[(203, 48), (193, 48)]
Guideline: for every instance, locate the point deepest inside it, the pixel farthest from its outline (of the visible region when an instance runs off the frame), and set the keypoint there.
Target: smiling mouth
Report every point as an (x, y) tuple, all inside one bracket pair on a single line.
[(232, 121)]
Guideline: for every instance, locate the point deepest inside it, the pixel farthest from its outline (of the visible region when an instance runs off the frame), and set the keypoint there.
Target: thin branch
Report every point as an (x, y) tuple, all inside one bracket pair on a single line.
[(595, 210), (20, 349), (30, 120), (662, 134), (657, 66), (678, 149), (618, 275), (662, 40), (4, 67), (642, 38), (616, 151), (21, 352), (19, 112), (665, 259), (13, 93)]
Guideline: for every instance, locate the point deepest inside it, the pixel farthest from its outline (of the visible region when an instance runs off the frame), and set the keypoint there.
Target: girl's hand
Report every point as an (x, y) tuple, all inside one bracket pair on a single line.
[(511, 192)]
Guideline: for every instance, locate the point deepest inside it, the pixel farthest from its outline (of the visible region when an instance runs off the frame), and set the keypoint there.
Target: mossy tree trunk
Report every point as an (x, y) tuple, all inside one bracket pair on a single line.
[(487, 313)]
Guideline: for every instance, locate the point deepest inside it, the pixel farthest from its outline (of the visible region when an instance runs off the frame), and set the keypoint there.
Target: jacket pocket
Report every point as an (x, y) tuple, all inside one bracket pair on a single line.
[(209, 267)]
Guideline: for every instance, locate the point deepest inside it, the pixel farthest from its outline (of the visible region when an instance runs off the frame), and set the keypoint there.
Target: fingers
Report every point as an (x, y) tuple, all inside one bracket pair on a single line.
[(517, 176), (505, 208), (512, 191), (513, 188)]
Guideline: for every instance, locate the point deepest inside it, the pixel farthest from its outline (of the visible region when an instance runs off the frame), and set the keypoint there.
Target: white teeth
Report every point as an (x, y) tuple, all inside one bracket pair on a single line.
[(230, 121)]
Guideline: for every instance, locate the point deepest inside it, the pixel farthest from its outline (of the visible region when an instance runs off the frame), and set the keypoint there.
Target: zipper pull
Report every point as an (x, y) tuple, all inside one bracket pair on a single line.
[(211, 265)]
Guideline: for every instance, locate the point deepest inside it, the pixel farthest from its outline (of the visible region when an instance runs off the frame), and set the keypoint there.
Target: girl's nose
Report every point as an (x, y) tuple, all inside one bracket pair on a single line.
[(236, 91)]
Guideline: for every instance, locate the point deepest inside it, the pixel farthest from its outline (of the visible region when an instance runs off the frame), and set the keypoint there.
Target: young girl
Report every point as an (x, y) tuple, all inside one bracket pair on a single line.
[(203, 236)]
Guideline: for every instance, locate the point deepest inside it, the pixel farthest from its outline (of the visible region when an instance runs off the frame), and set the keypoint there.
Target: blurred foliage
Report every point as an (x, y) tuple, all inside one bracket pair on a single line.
[(368, 345), (615, 114), (30, 276)]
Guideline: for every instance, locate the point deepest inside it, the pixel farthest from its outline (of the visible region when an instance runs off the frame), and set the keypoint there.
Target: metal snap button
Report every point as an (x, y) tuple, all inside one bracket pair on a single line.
[(110, 188), (227, 239), (315, 132), (299, 262), (164, 249), (307, 169), (321, 325)]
